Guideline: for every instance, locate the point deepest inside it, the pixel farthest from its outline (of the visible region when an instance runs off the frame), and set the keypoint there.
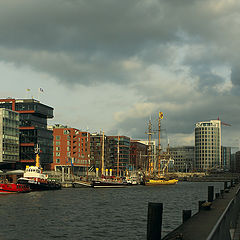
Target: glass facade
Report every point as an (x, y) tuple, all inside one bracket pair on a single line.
[(124, 153), (183, 158), (9, 136), (33, 128)]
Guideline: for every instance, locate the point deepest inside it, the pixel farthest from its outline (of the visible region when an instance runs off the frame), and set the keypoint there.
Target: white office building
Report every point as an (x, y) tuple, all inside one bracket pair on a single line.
[(208, 145)]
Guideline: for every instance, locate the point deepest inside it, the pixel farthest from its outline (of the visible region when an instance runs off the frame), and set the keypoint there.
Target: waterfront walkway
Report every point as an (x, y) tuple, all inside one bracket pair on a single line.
[(201, 224)]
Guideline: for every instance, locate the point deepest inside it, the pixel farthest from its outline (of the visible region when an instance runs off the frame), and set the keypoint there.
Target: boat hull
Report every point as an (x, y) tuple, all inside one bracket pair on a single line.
[(8, 188), (152, 182), (40, 186), (81, 184), (107, 184)]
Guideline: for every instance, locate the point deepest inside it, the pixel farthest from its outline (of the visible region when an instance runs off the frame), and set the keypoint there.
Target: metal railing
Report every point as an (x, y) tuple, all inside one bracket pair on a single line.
[(226, 224)]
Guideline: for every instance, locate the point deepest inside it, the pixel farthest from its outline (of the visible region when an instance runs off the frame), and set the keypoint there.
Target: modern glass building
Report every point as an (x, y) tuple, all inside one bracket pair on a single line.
[(119, 149), (9, 136), (226, 158), (33, 129), (183, 158), (208, 145)]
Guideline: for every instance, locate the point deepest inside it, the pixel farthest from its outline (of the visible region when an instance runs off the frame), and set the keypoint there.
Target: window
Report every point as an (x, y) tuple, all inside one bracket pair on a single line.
[(69, 154), (58, 137), (66, 131), (57, 148), (57, 143), (57, 160), (58, 154)]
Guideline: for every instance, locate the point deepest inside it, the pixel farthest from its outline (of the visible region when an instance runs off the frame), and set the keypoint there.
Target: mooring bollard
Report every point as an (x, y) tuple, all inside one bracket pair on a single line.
[(200, 205), (210, 193), (221, 193), (186, 214), (154, 223)]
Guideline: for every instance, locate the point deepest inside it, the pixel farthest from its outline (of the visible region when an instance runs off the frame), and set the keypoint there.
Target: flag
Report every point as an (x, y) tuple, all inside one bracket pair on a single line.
[(41, 90), (28, 89)]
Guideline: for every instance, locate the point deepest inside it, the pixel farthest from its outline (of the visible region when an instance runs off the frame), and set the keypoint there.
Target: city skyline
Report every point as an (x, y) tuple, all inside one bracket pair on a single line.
[(110, 65)]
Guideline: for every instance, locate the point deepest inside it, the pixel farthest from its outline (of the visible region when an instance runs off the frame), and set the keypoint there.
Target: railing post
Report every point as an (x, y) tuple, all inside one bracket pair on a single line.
[(186, 214), (154, 223), (210, 193), (200, 205)]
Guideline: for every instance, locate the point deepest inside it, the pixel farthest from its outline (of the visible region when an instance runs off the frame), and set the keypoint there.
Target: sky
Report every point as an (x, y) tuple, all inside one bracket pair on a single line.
[(112, 65)]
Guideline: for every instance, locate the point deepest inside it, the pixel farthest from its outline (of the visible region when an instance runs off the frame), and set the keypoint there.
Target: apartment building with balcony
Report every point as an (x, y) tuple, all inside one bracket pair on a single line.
[(71, 148)]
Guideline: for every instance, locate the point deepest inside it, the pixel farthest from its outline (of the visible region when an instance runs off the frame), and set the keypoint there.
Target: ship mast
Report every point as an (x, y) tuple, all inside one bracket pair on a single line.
[(160, 116), (103, 153), (118, 159), (150, 148), (37, 151)]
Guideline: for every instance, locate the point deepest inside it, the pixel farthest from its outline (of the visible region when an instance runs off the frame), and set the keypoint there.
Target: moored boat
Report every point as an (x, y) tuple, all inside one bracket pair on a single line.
[(161, 181), (105, 183), (6, 188), (35, 178)]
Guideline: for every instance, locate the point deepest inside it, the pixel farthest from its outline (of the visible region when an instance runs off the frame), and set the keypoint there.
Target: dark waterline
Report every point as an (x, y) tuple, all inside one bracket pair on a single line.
[(96, 214)]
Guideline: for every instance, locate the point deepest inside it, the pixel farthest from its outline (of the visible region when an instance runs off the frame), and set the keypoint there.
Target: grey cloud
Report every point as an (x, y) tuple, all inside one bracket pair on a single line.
[(92, 35), (183, 120), (235, 75)]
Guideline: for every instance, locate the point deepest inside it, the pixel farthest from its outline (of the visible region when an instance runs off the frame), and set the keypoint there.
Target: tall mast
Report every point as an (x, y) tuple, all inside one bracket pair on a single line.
[(103, 153), (150, 153), (118, 159), (160, 116), (37, 151)]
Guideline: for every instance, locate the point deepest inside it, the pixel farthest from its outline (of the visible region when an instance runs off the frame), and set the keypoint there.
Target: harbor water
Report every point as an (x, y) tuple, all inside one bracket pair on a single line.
[(96, 214)]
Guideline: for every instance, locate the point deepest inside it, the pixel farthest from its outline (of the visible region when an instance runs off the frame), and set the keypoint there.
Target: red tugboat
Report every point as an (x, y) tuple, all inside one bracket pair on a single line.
[(6, 188)]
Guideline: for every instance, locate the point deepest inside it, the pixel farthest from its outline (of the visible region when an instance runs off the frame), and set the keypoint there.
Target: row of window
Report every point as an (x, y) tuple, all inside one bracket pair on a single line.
[(69, 149), (69, 138), (85, 162), (58, 154)]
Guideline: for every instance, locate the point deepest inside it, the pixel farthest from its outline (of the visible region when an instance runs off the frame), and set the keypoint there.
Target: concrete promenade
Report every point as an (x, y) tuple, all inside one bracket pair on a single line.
[(200, 225)]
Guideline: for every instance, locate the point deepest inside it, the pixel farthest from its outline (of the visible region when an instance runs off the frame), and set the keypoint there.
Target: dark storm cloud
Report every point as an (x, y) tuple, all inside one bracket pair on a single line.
[(106, 25), (81, 37), (75, 40)]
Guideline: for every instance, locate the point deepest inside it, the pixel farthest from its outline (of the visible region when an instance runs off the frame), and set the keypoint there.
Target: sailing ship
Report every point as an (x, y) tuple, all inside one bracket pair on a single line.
[(105, 182), (36, 179), (161, 178)]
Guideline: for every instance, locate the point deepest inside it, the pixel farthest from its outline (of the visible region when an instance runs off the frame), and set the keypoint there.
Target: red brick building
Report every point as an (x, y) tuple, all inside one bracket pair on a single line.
[(138, 153), (71, 147)]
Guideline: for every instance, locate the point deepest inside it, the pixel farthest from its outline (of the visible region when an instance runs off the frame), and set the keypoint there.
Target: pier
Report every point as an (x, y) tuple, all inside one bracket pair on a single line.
[(216, 219)]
